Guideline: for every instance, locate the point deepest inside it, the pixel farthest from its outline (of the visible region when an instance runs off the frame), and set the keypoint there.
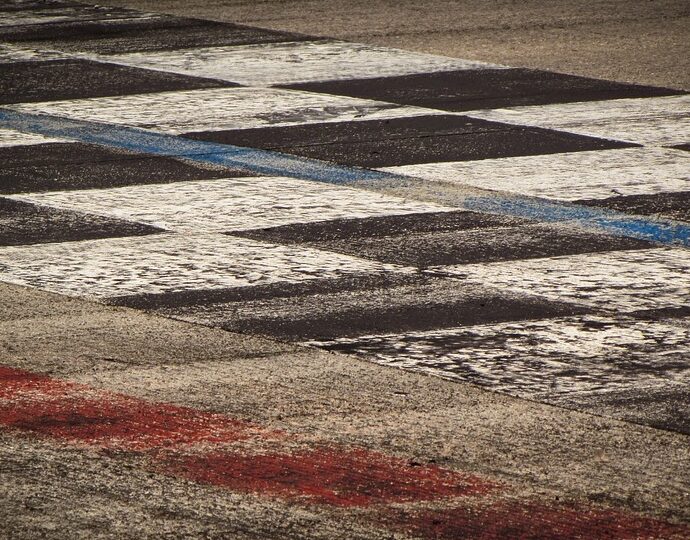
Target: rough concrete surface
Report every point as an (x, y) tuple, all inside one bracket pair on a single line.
[(638, 41)]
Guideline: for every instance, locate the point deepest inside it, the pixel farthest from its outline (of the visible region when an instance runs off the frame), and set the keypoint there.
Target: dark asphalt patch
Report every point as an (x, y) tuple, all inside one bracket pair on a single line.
[(468, 90), (120, 36), (424, 240), (68, 166), (535, 520), (406, 141), (352, 282), (25, 223), (50, 9), (25, 82), (671, 205), (379, 227), (105, 21), (32, 5), (663, 313), (482, 246), (666, 407), (424, 303)]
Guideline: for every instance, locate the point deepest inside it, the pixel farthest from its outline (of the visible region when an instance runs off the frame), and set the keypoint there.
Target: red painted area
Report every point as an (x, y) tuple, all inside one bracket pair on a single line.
[(520, 520), (330, 475), (327, 475), (80, 414)]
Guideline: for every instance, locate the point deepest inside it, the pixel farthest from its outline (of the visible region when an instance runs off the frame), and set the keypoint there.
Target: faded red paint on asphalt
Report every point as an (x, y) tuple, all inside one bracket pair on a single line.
[(77, 413), (331, 475), (192, 444), (80, 414)]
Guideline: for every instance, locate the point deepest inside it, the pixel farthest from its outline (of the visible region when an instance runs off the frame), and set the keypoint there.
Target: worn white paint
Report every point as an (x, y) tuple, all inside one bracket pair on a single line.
[(170, 262), (231, 204), (571, 176), (76, 13), (658, 121), (10, 137), (12, 53), (293, 62), (220, 109), (619, 281), (539, 359)]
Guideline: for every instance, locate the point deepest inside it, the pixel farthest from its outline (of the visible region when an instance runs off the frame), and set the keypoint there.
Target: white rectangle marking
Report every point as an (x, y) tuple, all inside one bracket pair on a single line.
[(568, 177), (539, 359), (231, 204), (620, 281), (10, 137), (12, 53), (221, 109), (658, 121), (293, 62), (66, 14), (170, 262)]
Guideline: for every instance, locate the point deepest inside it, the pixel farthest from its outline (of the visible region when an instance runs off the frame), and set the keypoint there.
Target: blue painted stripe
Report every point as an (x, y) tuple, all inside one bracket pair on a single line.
[(611, 222), (265, 162), (252, 160)]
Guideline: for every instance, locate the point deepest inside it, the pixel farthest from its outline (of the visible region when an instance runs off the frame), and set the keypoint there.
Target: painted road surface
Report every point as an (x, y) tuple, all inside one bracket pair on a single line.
[(511, 230)]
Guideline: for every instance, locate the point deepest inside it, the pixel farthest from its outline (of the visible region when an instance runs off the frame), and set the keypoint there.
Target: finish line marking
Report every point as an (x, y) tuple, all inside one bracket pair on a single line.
[(269, 163)]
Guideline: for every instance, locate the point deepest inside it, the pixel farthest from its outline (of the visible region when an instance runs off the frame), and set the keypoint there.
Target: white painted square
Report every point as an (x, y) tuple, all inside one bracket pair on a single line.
[(11, 137), (56, 13), (12, 53), (539, 359), (168, 263), (568, 177), (620, 281), (657, 121), (231, 204), (293, 62), (220, 109)]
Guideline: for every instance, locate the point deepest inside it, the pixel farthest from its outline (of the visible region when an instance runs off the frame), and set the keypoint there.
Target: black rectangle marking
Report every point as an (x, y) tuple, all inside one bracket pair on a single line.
[(467, 90), (120, 36), (67, 166), (424, 240), (24, 223), (26, 82), (671, 205), (420, 304), (410, 140)]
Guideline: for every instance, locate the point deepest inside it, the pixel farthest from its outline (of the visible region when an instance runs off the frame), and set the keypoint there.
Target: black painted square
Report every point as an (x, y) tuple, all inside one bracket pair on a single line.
[(671, 205), (468, 90), (25, 223), (458, 238), (46, 11), (353, 306), (23, 5), (66, 166), (345, 230), (25, 82), (664, 407), (120, 36), (409, 140)]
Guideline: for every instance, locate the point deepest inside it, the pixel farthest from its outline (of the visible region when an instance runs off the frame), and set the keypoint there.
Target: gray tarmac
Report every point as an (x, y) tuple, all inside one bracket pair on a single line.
[(636, 41)]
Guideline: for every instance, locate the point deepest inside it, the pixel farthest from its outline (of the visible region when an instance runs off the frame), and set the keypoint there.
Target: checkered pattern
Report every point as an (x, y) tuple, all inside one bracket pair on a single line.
[(548, 312)]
